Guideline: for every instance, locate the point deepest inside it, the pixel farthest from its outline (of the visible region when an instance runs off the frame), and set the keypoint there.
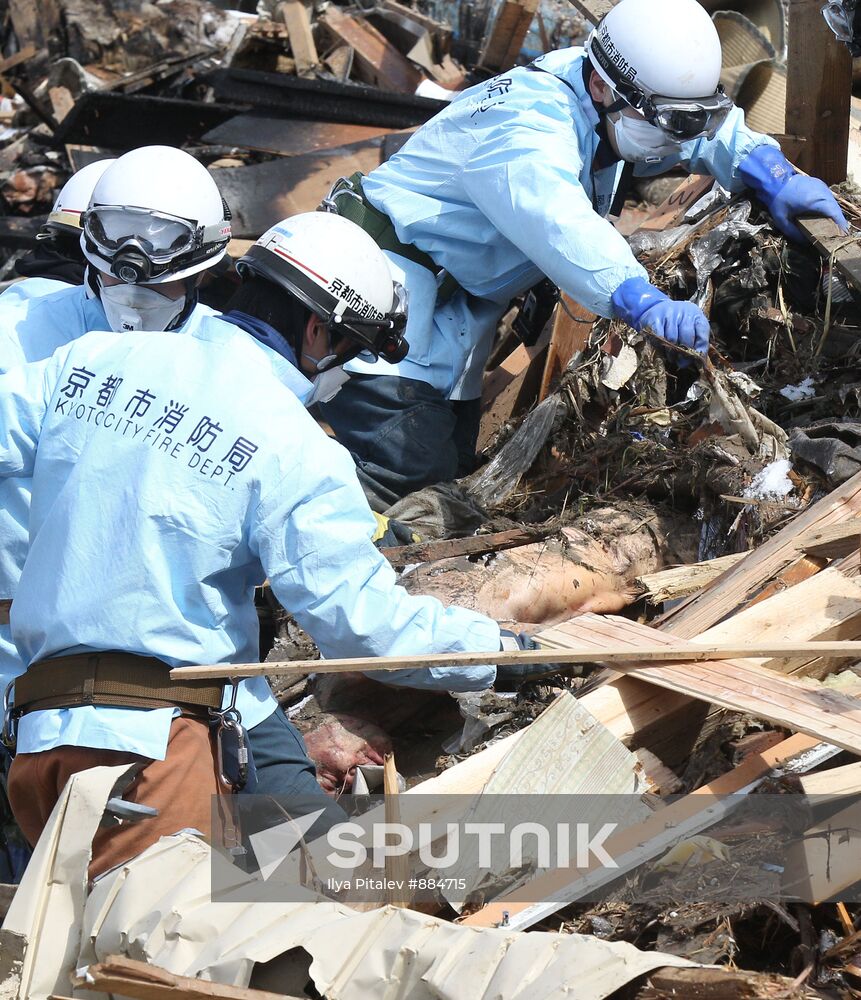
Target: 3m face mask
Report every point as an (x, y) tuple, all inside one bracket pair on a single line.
[(136, 307), (640, 142)]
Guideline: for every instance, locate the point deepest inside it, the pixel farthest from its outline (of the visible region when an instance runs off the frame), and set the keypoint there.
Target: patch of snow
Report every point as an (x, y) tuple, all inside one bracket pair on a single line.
[(772, 482), (804, 390)]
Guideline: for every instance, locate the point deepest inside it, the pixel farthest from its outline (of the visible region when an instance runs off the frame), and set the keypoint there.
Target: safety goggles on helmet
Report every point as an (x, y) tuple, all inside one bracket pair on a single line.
[(142, 244), (682, 119)]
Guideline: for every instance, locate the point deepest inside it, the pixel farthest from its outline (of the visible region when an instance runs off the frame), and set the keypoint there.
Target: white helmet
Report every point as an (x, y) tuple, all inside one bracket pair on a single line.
[(155, 215), (337, 270), (73, 199), (663, 57)]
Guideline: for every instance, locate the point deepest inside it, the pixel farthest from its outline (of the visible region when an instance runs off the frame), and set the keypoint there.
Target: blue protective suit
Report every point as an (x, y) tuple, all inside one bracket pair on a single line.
[(157, 509), (33, 324), (32, 288), (499, 189)]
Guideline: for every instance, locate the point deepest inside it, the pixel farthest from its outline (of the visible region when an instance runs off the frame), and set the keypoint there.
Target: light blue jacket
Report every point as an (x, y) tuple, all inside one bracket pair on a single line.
[(499, 189), (33, 288), (156, 511), (37, 315)]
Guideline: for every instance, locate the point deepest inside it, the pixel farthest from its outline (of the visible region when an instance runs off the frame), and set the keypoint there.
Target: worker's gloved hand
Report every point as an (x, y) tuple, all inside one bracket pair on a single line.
[(786, 193), (510, 675), (390, 532), (640, 304)]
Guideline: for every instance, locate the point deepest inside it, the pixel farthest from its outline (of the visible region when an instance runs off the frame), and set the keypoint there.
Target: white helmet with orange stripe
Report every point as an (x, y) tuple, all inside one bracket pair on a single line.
[(72, 201), (335, 269)]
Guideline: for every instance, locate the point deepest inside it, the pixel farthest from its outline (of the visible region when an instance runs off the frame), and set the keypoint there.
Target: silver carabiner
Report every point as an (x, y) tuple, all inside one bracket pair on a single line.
[(341, 187), (9, 732)]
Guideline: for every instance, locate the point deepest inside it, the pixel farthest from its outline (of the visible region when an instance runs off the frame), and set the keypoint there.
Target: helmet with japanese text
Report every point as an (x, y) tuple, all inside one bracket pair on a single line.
[(663, 58), (155, 215), (337, 271), (64, 222)]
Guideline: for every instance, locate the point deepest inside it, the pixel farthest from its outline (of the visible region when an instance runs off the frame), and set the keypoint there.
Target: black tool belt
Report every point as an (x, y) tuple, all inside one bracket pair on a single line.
[(347, 199), (121, 680)]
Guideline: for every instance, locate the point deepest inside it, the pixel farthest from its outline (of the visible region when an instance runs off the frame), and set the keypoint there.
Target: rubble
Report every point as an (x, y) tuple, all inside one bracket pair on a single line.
[(711, 502)]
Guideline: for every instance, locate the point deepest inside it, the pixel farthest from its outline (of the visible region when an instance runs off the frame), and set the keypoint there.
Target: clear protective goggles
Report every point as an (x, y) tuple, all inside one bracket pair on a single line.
[(680, 119), (161, 237), (840, 17)]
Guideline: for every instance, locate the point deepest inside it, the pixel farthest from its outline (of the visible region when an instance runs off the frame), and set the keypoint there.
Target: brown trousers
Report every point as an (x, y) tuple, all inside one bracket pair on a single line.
[(181, 787)]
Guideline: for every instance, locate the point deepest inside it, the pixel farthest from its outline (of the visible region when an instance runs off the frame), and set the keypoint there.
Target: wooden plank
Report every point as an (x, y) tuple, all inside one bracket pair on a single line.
[(818, 92), (497, 380), (828, 240), (142, 981), (737, 585), (833, 542), (736, 684), (34, 21), (717, 984), (602, 639), (823, 862), (631, 847), (289, 136), (517, 396), (18, 59), (572, 326), (264, 193), (294, 14), (672, 210), (504, 41), (377, 60), (474, 545), (681, 581), (593, 10), (828, 603), (578, 756), (833, 784)]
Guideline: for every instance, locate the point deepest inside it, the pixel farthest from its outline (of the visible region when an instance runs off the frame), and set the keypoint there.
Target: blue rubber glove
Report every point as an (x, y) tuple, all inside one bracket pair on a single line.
[(786, 193), (640, 304)]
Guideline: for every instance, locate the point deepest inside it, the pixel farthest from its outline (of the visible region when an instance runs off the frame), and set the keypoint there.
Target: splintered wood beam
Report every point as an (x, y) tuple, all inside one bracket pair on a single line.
[(572, 326), (833, 542), (681, 581), (142, 981), (818, 92), (505, 40), (294, 14), (634, 845), (736, 684), (734, 588), (377, 60), (615, 645), (474, 545), (828, 240)]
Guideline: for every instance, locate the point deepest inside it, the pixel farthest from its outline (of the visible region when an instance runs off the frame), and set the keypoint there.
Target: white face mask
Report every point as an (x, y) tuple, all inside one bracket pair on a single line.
[(328, 384), (640, 142), (136, 307)]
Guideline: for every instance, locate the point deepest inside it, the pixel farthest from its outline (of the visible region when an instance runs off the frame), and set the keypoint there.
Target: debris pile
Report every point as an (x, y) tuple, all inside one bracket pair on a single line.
[(689, 502)]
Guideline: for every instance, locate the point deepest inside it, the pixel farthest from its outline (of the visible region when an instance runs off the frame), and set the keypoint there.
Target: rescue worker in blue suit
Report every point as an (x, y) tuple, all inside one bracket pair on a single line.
[(58, 260), (164, 490), (35, 321), (513, 182)]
